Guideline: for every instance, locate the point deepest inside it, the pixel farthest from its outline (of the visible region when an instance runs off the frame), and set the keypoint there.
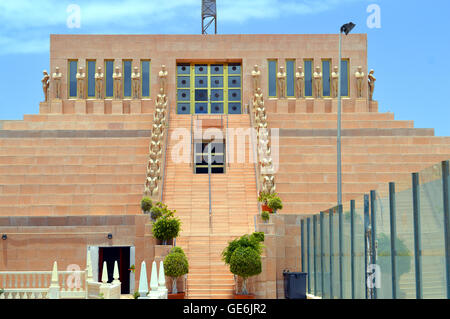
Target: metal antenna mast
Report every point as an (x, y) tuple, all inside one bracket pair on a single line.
[(209, 15)]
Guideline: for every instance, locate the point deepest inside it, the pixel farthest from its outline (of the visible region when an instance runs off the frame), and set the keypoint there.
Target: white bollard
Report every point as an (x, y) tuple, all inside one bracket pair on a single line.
[(143, 283), (162, 281), (154, 293), (116, 273), (53, 290)]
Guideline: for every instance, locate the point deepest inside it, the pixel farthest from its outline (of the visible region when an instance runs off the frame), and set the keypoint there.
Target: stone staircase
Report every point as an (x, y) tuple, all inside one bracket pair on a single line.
[(73, 164), (234, 204)]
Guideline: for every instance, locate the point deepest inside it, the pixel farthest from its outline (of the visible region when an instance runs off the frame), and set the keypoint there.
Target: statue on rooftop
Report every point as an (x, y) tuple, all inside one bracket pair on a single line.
[(317, 82), (57, 76), (99, 83), (281, 82), (299, 80), (372, 80), (163, 78), (359, 75), (334, 81), (136, 81), (117, 78), (256, 75), (81, 79), (45, 84)]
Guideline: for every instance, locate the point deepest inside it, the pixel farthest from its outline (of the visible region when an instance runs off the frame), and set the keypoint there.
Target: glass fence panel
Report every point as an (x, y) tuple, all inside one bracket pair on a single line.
[(311, 255), (335, 259), (360, 279), (405, 267), (346, 256), (318, 260), (432, 232), (326, 256)]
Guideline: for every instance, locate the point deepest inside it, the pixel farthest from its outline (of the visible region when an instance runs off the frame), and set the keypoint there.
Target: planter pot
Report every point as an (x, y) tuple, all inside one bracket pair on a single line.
[(179, 295), (266, 208), (244, 296)]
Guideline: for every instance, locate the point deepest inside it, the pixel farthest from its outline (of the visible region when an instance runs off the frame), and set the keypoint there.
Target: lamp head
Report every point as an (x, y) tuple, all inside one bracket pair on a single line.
[(346, 28)]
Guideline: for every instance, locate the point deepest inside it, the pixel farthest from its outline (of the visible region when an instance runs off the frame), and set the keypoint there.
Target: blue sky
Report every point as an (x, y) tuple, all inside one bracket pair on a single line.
[(410, 52)]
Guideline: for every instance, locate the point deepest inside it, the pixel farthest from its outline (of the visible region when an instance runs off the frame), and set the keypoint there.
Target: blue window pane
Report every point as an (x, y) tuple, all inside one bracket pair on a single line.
[(201, 107), (272, 78), (234, 108), (201, 95), (91, 78), (290, 75), (234, 81), (217, 81), (344, 78), (234, 95), (234, 68), (73, 65), (127, 78), (183, 69), (183, 82), (201, 69), (201, 81), (217, 95), (109, 85), (183, 95), (183, 108), (145, 78), (308, 78), (216, 69), (217, 108), (326, 78)]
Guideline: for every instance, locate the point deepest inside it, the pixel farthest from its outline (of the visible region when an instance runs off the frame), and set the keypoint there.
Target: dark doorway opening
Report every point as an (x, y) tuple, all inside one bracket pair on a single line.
[(110, 255)]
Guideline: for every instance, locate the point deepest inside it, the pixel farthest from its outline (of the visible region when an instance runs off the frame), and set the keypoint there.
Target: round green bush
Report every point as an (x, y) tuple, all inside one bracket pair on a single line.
[(245, 262), (156, 212), (253, 241), (259, 236), (178, 250), (146, 204), (166, 227), (275, 203), (265, 216), (176, 265)]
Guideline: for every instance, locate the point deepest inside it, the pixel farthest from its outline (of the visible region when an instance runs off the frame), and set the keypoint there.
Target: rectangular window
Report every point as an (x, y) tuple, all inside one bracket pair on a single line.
[(91, 78), (109, 83), (326, 77), (344, 78), (308, 78), (290, 78), (73, 66), (126, 78), (272, 78), (145, 78)]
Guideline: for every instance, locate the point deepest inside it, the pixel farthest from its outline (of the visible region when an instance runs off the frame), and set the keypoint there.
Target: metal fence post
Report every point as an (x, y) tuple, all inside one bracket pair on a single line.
[(322, 253), (373, 216), (315, 253), (446, 196), (330, 215), (302, 243), (341, 258), (417, 231), (393, 216), (352, 246), (308, 245), (366, 228)]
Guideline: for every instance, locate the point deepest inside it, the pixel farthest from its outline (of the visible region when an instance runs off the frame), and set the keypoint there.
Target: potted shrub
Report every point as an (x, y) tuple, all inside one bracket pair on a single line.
[(155, 213), (146, 204), (265, 216), (243, 255), (275, 203), (176, 265), (166, 227), (264, 199)]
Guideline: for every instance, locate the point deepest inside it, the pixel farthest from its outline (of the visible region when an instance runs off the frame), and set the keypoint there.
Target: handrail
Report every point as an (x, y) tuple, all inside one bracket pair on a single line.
[(209, 181), (192, 141), (226, 144), (255, 154), (163, 175)]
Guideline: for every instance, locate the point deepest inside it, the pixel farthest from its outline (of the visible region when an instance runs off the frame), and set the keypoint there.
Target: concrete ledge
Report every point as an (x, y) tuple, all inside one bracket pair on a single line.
[(32, 221), (357, 132), (74, 133)]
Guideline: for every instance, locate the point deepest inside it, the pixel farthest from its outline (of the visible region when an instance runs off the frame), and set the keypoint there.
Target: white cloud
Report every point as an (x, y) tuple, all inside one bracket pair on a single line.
[(26, 24)]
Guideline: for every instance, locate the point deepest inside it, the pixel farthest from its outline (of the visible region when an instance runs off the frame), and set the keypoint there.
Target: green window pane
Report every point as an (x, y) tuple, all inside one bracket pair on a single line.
[(109, 84), (290, 76), (308, 78), (91, 78), (145, 78), (73, 65), (344, 78), (127, 78), (326, 77), (272, 78)]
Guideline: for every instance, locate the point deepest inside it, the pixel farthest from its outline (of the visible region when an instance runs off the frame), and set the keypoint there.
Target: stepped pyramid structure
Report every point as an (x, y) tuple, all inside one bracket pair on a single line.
[(72, 176)]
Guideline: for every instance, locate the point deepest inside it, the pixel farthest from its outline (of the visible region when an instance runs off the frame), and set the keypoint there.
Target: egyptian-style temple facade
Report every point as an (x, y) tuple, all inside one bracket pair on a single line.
[(72, 176)]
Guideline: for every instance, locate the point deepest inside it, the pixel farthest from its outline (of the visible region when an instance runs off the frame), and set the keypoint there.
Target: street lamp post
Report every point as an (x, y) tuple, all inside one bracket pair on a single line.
[(346, 28)]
